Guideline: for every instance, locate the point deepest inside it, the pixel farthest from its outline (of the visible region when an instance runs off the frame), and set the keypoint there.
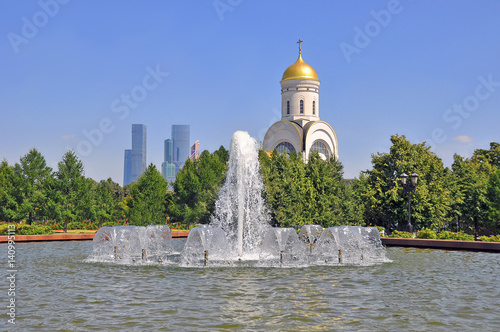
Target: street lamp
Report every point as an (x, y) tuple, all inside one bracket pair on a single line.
[(409, 187)]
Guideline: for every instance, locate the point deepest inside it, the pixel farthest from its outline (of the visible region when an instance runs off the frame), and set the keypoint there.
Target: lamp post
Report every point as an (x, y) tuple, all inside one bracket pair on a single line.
[(409, 187)]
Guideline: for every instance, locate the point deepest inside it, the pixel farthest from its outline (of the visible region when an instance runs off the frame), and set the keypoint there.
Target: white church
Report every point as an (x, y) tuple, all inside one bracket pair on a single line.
[(300, 128)]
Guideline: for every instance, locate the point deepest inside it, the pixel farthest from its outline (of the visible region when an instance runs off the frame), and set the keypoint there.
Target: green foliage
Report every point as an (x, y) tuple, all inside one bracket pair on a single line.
[(107, 196), (31, 173), (426, 234), (491, 156), (69, 196), (196, 187), (25, 229), (290, 194), (491, 238), (471, 181), (9, 205), (381, 191), (299, 193), (82, 225), (430, 234), (493, 201), (148, 197), (114, 223), (401, 234), (460, 236)]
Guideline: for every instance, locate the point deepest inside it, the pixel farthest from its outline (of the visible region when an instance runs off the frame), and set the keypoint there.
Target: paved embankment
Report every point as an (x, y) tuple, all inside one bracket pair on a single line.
[(442, 244), (65, 237)]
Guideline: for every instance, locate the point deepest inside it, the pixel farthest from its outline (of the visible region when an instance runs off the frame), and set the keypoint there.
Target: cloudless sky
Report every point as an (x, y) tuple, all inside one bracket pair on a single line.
[(429, 70)]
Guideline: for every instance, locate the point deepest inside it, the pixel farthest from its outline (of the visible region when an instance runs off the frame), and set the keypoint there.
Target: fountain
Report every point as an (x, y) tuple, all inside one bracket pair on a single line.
[(240, 209), (354, 245), (205, 243), (132, 244), (241, 222), (282, 246), (239, 232)]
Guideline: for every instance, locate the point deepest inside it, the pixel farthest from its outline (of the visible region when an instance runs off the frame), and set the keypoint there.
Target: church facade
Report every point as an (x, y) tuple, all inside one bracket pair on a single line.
[(300, 128)]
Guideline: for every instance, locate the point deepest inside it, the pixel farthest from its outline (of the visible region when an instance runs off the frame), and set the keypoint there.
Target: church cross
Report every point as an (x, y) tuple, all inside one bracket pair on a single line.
[(300, 49)]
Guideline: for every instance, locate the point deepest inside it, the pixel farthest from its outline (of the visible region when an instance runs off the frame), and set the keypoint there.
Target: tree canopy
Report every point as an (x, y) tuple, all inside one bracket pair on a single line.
[(297, 192)]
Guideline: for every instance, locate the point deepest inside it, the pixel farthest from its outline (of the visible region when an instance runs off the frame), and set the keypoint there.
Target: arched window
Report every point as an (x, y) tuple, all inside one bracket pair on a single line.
[(285, 147), (301, 107), (288, 107), (321, 147), (314, 106)]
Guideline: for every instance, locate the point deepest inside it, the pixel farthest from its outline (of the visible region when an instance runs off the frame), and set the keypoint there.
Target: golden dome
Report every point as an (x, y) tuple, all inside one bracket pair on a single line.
[(300, 71)]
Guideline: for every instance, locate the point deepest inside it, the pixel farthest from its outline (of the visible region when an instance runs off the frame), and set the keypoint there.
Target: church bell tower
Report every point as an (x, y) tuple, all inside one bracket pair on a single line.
[(300, 128)]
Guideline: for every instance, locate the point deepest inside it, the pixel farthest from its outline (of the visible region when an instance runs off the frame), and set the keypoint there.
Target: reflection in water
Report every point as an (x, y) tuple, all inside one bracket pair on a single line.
[(421, 290)]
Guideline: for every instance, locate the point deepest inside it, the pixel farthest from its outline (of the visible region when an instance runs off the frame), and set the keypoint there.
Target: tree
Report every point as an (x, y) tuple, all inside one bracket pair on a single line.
[(326, 179), (70, 191), (196, 187), (147, 203), (8, 202), (386, 204), (187, 187), (107, 198), (491, 156), (32, 173), (299, 193), (289, 193), (493, 201), (471, 176)]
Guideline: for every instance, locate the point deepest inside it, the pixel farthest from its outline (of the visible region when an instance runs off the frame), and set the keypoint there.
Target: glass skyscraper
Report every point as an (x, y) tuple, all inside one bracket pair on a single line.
[(138, 150), (180, 145), (127, 167), (168, 150), (167, 167), (168, 171)]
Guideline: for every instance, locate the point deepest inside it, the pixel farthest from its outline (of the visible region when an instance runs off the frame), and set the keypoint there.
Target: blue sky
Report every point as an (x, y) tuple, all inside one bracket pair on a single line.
[(425, 69)]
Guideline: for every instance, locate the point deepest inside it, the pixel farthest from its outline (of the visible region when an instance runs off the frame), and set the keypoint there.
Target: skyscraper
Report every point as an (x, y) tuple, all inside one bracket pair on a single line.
[(168, 171), (138, 150), (168, 150), (167, 167), (127, 167), (195, 151), (181, 147)]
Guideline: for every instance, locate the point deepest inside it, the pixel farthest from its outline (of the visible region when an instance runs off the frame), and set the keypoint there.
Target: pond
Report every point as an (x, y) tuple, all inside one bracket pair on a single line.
[(424, 290)]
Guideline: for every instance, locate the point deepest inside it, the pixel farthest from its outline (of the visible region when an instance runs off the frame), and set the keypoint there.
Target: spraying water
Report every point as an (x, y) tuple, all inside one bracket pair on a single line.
[(240, 209)]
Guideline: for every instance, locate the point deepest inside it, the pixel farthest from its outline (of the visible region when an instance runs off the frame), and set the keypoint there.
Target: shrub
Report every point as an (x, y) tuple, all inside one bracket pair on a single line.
[(491, 238), (426, 234), (82, 225), (111, 223), (400, 234), (25, 229), (461, 236)]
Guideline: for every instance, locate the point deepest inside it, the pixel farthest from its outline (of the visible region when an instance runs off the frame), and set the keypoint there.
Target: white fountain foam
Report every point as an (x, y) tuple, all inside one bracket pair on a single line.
[(240, 209)]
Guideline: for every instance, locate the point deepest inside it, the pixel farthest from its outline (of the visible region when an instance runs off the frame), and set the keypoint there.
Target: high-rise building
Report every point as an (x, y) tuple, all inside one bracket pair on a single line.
[(168, 150), (127, 167), (167, 167), (180, 145), (168, 171), (195, 151), (138, 150)]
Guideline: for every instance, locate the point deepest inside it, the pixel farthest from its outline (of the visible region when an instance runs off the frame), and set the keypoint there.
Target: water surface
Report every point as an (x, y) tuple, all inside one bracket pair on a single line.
[(421, 290)]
